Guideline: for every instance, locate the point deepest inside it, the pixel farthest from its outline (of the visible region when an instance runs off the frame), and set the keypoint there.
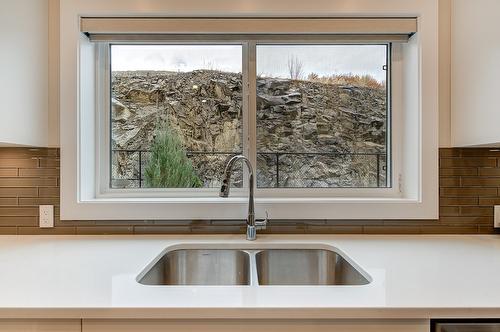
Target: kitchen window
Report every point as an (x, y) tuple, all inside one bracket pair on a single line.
[(319, 106), (177, 114)]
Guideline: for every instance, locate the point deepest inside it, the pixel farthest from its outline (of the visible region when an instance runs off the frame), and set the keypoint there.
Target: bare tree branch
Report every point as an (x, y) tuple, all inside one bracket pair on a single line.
[(295, 67)]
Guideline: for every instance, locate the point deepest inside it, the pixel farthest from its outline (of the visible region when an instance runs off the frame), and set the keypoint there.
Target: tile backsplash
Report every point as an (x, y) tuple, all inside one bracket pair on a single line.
[(469, 189)]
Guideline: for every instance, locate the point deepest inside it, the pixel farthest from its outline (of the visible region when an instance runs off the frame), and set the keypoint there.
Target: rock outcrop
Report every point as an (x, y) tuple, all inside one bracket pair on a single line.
[(205, 108)]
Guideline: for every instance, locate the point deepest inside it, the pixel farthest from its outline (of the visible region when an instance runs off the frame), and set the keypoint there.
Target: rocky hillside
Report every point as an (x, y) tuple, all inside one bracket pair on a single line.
[(292, 116)]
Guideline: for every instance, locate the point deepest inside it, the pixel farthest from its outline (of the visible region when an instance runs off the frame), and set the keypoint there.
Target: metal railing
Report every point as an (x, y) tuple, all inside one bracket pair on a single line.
[(277, 157), (284, 164)]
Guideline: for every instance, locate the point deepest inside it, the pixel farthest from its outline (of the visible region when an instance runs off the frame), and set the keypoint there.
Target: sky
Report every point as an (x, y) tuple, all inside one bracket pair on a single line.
[(272, 60)]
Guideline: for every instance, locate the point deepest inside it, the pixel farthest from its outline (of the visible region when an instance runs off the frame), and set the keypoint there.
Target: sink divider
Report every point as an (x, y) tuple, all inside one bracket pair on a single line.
[(252, 261)]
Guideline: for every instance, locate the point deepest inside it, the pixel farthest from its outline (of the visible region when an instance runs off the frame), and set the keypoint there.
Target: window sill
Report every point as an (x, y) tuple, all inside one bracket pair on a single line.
[(236, 208)]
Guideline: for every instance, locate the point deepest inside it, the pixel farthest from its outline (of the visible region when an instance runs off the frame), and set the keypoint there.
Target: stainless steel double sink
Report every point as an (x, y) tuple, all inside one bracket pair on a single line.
[(226, 267)]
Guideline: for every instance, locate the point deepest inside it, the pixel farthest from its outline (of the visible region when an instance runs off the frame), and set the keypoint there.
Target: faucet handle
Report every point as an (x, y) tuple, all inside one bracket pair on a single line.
[(224, 189), (262, 224)]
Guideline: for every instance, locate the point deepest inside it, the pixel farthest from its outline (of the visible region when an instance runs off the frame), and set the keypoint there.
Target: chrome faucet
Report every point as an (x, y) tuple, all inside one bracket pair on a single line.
[(252, 224)]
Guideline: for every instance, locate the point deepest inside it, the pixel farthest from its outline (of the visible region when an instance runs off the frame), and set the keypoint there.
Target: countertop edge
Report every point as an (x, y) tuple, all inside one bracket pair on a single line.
[(247, 313)]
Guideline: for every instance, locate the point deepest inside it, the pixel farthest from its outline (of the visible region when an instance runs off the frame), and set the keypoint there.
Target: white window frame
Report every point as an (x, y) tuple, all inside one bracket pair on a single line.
[(419, 181), (103, 135)]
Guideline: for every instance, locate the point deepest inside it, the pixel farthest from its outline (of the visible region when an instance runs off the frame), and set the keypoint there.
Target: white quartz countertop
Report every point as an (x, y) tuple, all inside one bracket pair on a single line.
[(95, 277)]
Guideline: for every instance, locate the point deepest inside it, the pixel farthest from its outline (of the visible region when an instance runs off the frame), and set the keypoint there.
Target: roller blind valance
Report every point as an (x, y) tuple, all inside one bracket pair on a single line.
[(158, 28)]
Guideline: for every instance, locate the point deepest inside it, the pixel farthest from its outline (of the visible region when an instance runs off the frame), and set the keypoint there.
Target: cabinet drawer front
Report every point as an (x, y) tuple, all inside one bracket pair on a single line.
[(256, 325), (46, 325)]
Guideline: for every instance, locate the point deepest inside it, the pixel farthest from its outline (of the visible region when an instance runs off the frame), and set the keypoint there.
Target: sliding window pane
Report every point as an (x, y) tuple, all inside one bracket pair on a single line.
[(176, 114), (322, 116)]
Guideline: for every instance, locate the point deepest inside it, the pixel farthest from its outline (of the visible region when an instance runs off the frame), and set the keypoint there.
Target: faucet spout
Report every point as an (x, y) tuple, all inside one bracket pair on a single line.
[(252, 225)]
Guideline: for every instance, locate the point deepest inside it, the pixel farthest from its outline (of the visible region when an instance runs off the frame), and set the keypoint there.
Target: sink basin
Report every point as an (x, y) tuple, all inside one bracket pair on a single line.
[(305, 267), (200, 267), (252, 267)]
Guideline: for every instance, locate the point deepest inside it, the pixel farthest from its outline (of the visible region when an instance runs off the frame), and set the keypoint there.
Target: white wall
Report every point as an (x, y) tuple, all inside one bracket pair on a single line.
[(444, 73), (475, 72), (54, 79), (24, 72)]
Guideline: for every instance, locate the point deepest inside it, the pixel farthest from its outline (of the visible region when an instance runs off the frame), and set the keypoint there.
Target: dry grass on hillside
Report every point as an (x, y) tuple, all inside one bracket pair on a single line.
[(365, 81)]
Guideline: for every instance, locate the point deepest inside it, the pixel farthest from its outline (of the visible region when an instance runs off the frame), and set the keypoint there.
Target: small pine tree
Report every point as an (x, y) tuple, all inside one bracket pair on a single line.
[(168, 165)]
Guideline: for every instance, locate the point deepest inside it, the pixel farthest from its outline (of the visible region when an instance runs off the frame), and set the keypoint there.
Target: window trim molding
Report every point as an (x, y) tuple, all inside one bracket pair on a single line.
[(78, 204), (397, 26)]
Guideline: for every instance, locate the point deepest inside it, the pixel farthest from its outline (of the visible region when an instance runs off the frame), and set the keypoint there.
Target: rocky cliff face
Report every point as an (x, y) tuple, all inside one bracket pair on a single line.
[(205, 107), (302, 116)]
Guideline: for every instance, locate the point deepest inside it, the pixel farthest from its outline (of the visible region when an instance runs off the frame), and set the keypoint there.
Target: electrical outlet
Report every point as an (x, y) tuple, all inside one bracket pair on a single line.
[(497, 216), (46, 216)]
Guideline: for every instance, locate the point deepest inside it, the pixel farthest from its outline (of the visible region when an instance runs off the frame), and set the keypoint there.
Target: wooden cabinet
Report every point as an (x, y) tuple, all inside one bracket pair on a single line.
[(256, 325), (46, 325), (475, 50), (152, 325)]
